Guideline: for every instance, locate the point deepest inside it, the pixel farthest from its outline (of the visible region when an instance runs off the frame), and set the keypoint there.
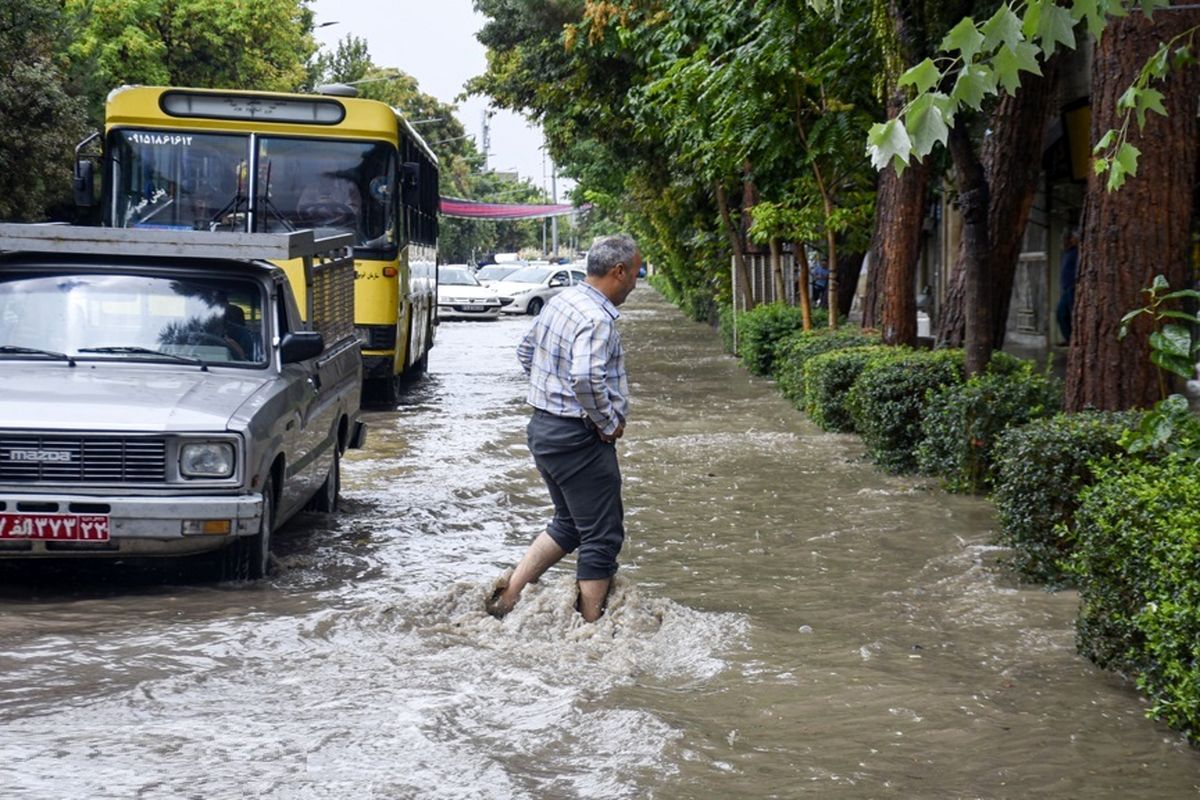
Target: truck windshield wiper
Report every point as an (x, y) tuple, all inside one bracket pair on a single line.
[(33, 351), (146, 351)]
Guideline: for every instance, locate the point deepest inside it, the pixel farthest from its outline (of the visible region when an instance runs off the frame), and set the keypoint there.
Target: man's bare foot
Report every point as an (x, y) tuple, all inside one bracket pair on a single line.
[(498, 605)]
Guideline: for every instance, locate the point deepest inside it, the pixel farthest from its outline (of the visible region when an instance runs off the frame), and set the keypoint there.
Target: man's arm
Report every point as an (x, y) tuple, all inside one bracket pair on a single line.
[(525, 352), (588, 362)]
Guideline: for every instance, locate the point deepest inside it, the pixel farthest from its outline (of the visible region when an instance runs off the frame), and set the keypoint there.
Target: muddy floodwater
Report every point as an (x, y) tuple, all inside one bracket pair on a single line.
[(787, 622)]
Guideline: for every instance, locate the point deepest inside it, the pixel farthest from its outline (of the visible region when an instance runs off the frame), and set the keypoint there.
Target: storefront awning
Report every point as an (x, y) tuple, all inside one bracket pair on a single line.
[(471, 209)]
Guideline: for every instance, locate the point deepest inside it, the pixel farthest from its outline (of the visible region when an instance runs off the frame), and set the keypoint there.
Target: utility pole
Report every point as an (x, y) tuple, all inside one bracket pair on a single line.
[(554, 199), (486, 138)]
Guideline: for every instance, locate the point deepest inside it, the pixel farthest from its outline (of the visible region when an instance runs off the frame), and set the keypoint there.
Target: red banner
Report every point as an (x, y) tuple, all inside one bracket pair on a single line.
[(471, 209)]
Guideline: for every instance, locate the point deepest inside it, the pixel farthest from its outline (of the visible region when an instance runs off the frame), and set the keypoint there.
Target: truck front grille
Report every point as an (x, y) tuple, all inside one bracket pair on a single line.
[(65, 458)]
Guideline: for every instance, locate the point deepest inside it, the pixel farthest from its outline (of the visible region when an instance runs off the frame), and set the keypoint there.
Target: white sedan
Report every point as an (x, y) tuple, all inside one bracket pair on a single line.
[(531, 287), (460, 296)]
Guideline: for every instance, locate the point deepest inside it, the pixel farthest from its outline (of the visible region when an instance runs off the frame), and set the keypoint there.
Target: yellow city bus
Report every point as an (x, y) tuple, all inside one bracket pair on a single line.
[(200, 159)]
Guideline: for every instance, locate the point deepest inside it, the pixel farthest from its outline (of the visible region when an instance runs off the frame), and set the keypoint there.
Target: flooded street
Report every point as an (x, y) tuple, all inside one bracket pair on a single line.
[(787, 622)]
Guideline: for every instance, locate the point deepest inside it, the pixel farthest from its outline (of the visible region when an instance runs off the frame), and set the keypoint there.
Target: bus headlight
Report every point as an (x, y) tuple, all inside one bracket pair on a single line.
[(206, 460)]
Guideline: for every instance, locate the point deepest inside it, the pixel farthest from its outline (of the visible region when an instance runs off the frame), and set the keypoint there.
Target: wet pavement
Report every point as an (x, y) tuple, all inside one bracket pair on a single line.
[(787, 622)]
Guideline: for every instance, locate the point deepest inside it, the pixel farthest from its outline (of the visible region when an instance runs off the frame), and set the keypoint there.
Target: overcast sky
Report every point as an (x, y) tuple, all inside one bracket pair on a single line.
[(435, 43)]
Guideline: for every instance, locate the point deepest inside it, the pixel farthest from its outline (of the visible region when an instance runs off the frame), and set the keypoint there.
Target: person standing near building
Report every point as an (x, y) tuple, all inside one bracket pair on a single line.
[(1067, 273), (580, 398)]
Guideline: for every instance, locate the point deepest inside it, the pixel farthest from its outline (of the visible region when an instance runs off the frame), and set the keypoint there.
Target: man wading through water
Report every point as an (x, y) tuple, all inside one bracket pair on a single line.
[(579, 394)]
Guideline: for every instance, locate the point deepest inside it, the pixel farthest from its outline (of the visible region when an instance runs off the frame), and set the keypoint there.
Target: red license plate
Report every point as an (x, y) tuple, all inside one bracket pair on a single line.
[(55, 527)]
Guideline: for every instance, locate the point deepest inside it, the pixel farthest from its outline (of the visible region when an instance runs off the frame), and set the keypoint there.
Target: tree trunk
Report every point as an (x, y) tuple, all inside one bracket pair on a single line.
[(1012, 160), (891, 301), (1139, 231), (739, 254), (802, 295), (973, 201)]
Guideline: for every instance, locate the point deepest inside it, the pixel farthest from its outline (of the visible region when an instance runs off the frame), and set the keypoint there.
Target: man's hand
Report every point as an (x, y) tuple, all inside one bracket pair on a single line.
[(612, 437)]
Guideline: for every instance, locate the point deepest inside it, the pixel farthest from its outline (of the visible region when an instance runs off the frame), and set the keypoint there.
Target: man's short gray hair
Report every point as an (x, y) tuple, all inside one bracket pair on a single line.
[(608, 251)]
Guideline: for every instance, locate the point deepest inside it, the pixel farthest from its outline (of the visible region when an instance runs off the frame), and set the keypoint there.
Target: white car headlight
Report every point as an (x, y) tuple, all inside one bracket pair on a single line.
[(206, 460)]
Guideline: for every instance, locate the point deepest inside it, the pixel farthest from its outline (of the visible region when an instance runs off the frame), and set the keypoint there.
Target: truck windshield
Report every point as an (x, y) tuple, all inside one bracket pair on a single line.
[(215, 320), (195, 181)]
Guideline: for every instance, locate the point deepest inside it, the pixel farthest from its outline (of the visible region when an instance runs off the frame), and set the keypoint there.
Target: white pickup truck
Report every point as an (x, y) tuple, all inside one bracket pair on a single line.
[(163, 393)]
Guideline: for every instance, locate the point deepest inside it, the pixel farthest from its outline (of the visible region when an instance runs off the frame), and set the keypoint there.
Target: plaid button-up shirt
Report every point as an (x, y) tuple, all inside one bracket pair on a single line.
[(574, 359)]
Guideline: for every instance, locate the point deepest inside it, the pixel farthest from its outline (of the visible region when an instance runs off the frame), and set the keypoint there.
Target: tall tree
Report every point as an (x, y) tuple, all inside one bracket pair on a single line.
[(250, 44), (43, 118)]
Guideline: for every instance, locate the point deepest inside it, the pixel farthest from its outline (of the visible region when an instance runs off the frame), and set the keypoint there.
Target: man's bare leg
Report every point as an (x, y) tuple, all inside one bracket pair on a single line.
[(541, 555), (592, 595)]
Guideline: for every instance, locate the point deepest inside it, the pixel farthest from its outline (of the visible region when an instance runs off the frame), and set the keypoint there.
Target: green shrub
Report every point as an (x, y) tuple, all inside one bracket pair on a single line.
[(1039, 471), (888, 403), (725, 327), (759, 329), (1137, 565), (962, 421), (827, 381), (794, 351)]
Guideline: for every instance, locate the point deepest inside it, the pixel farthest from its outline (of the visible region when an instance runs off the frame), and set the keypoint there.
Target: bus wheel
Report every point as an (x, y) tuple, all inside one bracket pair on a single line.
[(384, 391)]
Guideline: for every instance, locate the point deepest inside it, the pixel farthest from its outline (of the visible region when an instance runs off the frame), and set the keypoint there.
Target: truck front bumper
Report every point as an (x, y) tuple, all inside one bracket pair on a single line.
[(143, 526)]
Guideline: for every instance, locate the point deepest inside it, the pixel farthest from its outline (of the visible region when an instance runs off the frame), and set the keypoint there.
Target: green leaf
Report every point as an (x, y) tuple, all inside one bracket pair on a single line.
[(1004, 28), (1149, 100), (1123, 163), (1183, 367), (1123, 330), (975, 82), (1150, 6), (924, 76), (1100, 166), (1183, 315), (1159, 65), (925, 124), (1031, 22), (1105, 142), (965, 38), (1181, 293), (1056, 26), (1174, 340), (1008, 62), (1160, 282), (888, 142), (1092, 11)]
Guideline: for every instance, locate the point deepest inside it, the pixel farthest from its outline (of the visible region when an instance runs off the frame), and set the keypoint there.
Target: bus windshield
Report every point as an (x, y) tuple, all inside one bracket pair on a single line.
[(200, 181)]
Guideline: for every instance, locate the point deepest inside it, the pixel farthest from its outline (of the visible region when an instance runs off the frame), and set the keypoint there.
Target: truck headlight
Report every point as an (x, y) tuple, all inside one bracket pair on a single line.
[(206, 460)]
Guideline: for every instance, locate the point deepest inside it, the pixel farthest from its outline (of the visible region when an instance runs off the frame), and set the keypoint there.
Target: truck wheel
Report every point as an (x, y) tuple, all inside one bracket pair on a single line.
[(535, 306), (326, 500), (249, 557)]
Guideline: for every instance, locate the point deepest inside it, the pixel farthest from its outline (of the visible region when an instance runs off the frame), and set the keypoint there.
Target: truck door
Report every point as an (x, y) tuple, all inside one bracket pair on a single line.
[(309, 422)]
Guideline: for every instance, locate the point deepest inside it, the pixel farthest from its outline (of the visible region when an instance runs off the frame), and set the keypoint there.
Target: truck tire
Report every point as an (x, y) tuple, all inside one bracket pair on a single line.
[(249, 557), (326, 500)]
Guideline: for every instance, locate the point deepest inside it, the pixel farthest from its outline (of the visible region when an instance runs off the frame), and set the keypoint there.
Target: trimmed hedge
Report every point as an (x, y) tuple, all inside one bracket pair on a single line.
[(888, 402), (795, 351), (761, 328), (827, 381), (1136, 566), (1040, 468), (962, 422)]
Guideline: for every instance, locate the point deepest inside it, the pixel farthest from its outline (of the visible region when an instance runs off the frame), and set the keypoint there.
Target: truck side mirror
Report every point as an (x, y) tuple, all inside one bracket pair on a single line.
[(84, 183), (410, 182), (301, 346)]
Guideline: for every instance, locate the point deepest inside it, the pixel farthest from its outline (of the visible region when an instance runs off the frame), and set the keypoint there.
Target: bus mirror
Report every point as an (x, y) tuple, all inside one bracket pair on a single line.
[(84, 183)]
